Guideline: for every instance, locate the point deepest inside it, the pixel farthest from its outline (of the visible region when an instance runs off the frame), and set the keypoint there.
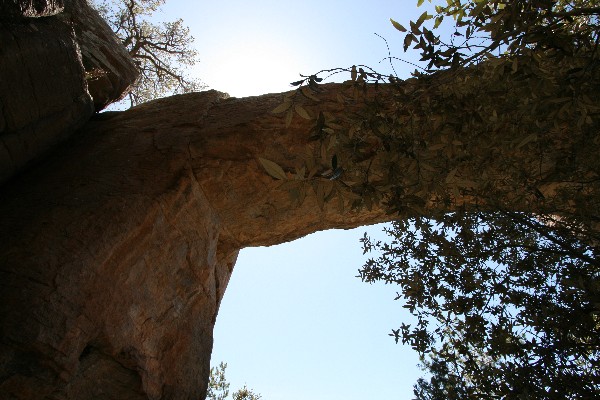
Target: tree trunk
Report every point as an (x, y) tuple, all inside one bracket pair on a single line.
[(118, 248)]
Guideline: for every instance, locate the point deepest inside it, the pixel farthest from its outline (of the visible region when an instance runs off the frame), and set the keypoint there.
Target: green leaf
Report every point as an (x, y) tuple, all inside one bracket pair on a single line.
[(301, 111), (408, 40), (414, 28), (340, 203), (478, 8), (306, 91), (424, 17), (528, 139), (313, 171), (320, 194), (300, 173), (398, 26), (282, 107), (288, 118), (273, 169), (420, 3)]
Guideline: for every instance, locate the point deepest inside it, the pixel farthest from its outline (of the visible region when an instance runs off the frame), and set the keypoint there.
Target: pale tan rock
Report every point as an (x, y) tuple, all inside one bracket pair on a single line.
[(118, 248)]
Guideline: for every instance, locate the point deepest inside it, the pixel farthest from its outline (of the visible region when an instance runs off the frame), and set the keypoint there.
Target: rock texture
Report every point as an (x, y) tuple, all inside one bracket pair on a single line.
[(30, 8), (110, 71), (119, 247), (55, 72), (43, 92)]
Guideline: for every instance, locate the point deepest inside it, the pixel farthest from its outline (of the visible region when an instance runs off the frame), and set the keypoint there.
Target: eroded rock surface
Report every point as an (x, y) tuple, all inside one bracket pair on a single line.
[(109, 69), (43, 92), (118, 248), (55, 72), (30, 8)]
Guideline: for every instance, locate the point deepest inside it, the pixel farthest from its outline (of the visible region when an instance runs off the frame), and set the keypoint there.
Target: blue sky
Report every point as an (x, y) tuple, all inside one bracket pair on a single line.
[(252, 48), (295, 322)]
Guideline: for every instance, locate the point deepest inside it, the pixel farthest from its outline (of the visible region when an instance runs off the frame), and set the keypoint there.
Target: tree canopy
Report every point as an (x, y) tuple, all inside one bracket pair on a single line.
[(500, 261), (525, 143), (486, 29), (218, 387), (506, 287), (507, 304), (161, 51)]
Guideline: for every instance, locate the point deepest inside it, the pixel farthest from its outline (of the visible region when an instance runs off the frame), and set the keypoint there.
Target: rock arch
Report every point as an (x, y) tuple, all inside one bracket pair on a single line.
[(117, 246)]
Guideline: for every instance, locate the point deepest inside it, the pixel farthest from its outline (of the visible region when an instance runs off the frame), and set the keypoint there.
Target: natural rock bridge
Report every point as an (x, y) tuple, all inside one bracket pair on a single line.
[(117, 247), (120, 230)]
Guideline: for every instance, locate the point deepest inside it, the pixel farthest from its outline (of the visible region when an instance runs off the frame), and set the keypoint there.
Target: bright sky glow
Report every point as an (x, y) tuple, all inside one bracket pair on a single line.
[(266, 66), (295, 322), (247, 48)]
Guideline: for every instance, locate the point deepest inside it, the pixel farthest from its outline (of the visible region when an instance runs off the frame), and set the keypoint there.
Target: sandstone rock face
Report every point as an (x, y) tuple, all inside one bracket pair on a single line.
[(43, 92), (117, 249), (110, 71), (45, 66), (30, 8)]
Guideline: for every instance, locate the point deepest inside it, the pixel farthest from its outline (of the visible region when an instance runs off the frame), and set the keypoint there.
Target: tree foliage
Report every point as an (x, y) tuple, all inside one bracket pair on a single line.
[(246, 394), (488, 156), (501, 28), (161, 51), (474, 128), (507, 304), (218, 387), (506, 286)]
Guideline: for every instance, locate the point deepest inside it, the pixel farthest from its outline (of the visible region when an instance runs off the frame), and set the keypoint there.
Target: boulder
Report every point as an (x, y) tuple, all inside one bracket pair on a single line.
[(43, 91), (55, 72), (110, 71), (30, 8)]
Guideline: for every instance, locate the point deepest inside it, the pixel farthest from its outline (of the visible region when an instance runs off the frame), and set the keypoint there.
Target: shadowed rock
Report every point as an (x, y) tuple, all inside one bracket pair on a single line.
[(117, 247), (56, 71), (30, 8), (132, 231)]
